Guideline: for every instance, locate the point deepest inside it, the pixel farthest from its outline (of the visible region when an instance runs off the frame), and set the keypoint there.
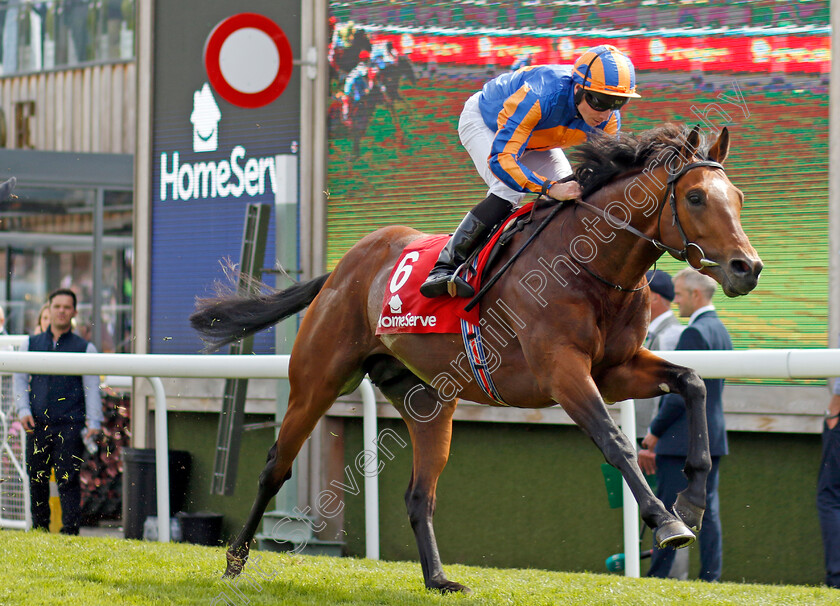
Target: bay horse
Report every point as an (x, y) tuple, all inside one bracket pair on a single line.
[(384, 91), (575, 316)]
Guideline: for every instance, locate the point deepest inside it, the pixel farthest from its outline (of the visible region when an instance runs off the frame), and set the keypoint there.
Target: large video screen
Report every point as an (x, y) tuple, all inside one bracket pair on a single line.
[(395, 157), (213, 154)]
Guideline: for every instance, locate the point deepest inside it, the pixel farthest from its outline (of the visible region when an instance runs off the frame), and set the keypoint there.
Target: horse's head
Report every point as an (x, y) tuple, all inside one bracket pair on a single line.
[(708, 218)]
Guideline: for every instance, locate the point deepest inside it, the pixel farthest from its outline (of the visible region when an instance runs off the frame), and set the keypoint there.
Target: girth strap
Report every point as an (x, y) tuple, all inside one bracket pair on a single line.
[(474, 346)]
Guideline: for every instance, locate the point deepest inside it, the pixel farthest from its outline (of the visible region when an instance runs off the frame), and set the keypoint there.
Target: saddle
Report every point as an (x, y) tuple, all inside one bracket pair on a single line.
[(405, 310)]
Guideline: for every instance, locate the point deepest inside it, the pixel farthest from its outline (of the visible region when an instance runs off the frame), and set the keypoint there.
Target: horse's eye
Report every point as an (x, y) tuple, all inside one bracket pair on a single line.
[(696, 198)]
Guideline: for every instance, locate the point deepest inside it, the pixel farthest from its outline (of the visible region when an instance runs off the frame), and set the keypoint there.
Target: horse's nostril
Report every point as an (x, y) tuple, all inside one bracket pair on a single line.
[(741, 267)]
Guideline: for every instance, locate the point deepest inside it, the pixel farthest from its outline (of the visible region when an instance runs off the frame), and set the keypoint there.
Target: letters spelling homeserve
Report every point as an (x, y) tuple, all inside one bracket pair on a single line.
[(406, 320), (211, 179)]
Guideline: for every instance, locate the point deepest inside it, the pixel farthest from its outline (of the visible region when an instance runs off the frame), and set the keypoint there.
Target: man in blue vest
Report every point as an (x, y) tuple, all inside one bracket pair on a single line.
[(57, 412)]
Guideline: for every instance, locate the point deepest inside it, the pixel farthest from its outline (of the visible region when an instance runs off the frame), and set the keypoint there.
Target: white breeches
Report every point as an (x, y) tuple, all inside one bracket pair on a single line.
[(477, 139)]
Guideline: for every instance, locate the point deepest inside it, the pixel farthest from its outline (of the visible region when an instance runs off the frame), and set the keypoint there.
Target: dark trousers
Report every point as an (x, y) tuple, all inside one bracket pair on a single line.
[(671, 480), (59, 448), (828, 503)]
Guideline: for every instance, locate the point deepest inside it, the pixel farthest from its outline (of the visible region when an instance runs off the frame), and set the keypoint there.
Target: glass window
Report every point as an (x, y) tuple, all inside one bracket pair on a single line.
[(47, 235), (40, 36)]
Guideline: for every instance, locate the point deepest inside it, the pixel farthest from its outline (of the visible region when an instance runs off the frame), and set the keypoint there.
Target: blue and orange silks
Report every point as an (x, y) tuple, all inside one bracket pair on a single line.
[(533, 108)]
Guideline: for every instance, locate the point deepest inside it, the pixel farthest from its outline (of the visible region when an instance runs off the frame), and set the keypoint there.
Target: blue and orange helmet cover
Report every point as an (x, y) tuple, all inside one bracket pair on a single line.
[(605, 69)]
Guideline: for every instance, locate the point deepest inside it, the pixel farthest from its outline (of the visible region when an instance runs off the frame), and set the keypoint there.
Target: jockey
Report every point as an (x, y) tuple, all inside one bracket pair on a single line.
[(343, 36), (523, 60), (356, 85), (515, 130), (383, 54)]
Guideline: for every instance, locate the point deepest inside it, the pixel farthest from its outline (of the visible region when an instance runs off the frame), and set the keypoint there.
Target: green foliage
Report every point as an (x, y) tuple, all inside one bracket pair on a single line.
[(42, 569)]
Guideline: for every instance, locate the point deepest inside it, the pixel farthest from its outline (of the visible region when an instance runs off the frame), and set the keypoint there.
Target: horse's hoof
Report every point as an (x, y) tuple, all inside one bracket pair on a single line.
[(446, 586), (674, 534), (235, 564), (689, 513)]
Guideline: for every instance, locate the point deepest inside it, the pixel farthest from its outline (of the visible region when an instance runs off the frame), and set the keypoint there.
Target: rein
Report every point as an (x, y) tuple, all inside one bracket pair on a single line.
[(556, 209), (671, 197)]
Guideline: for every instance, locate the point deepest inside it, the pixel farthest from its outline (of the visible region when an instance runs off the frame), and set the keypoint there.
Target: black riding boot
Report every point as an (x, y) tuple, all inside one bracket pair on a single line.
[(471, 233)]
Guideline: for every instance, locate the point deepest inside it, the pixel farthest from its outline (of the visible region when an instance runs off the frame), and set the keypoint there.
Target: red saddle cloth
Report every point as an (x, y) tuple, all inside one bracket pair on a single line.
[(405, 310)]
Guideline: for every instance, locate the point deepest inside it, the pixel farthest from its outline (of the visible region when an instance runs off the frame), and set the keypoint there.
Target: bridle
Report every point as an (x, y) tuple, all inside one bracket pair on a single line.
[(671, 198)]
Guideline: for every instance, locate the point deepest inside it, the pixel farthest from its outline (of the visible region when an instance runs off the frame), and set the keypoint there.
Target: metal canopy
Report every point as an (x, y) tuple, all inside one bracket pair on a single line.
[(67, 169)]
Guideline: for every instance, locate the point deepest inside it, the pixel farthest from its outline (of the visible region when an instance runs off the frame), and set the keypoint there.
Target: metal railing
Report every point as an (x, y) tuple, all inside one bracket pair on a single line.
[(153, 367)]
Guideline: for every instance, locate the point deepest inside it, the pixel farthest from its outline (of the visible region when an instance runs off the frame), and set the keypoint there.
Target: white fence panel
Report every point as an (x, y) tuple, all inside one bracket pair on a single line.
[(14, 484), (152, 367)]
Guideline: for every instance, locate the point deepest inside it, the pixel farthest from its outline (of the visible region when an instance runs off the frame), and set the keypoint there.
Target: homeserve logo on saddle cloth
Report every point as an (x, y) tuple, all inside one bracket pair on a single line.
[(438, 315), (400, 320), (405, 310), (197, 180)]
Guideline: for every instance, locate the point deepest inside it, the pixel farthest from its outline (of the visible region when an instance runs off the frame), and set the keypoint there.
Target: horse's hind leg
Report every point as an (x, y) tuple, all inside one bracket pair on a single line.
[(430, 425), (313, 390)]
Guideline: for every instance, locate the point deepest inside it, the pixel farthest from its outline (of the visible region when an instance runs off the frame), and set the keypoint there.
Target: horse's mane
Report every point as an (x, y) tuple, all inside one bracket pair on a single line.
[(604, 157)]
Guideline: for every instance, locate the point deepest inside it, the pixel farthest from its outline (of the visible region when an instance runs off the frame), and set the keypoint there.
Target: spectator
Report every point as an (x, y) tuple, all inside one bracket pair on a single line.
[(2, 321), (668, 433), (43, 320), (663, 334), (56, 411), (828, 490)]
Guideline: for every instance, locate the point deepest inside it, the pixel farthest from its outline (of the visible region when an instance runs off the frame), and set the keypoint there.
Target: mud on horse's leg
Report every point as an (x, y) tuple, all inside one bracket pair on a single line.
[(269, 485)]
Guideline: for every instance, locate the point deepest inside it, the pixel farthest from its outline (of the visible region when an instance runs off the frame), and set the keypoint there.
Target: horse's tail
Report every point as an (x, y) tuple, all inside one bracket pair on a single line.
[(223, 320)]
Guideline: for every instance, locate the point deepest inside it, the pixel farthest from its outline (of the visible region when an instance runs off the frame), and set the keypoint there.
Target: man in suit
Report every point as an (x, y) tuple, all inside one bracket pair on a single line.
[(663, 333), (828, 489), (668, 433)]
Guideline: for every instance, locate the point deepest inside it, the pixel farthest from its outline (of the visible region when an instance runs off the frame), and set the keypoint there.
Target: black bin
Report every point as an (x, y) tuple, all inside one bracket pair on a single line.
[(201, 528), (140, 488)]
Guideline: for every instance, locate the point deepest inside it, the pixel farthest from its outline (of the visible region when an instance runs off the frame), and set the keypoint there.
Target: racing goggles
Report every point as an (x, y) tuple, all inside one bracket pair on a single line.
[(601, 102)]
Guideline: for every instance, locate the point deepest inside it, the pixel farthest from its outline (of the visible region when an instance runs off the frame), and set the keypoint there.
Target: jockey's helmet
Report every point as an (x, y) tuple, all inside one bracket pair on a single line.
[(606, 70)]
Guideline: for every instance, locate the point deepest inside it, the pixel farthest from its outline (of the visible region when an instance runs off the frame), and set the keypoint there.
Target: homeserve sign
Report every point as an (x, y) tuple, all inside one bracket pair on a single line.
[(213, 179)]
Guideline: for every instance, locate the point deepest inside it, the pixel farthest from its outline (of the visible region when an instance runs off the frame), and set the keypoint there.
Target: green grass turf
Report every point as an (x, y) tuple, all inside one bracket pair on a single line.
[(42, 569)]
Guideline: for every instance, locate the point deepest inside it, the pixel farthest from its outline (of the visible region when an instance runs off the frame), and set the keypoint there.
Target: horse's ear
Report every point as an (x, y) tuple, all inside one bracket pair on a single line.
[(692, 142), (720, 149)]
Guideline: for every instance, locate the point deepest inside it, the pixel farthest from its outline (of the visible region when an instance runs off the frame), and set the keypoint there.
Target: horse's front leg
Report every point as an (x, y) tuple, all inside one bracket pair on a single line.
[(647, 376), (571, 385)]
